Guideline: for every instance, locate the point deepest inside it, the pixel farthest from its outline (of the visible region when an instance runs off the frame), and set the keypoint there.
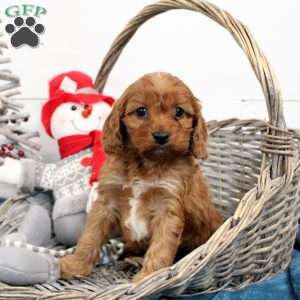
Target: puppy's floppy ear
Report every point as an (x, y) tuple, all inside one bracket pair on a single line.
[(199, 135), (113, 129)]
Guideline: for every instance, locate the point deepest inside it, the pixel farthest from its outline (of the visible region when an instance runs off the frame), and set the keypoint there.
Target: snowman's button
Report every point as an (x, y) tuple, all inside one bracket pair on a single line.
[(86, 161)]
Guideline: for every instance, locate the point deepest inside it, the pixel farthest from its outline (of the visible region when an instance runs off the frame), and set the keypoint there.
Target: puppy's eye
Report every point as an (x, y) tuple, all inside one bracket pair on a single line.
[(141, 111), (74, 107), (179, 112)]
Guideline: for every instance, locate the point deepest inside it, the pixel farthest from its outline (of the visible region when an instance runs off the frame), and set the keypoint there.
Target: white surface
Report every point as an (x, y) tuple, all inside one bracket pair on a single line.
[(11, 172), (79, 33)]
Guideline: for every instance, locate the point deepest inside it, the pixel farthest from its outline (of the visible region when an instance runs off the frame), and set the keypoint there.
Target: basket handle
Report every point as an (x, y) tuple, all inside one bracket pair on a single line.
[(245, 40), (240, 33)]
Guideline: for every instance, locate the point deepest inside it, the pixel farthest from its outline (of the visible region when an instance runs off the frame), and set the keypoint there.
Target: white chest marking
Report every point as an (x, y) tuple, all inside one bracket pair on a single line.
[(137, 225)]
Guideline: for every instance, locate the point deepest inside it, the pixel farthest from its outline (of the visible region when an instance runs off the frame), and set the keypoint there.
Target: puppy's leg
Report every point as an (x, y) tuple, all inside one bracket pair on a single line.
[(167, 230), (98, 228), (203, 219)]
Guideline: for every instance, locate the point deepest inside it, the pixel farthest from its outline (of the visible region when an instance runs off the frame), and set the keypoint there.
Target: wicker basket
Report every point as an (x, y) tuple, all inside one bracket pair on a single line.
[(253, 170)]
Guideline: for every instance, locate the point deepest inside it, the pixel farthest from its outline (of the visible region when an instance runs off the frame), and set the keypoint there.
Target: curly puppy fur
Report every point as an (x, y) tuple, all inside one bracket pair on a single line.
[(151, 186)]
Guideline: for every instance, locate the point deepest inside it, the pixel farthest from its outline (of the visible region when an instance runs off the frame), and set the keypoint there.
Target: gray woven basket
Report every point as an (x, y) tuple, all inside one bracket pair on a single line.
[(253, 171)]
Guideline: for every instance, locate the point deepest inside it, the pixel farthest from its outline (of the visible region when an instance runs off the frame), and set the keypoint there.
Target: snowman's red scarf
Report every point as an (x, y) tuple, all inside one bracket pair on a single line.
[(75, 143)]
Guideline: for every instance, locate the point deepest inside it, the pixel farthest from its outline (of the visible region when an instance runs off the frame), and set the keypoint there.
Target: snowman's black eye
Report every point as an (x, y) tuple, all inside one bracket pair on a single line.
[(73, 107)]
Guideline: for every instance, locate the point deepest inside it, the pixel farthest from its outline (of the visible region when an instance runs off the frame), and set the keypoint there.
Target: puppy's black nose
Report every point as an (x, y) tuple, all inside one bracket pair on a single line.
[(161, 137)]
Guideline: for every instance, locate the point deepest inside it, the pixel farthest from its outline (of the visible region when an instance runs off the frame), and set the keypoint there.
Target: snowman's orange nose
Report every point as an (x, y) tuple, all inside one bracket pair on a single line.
[(87, 111)]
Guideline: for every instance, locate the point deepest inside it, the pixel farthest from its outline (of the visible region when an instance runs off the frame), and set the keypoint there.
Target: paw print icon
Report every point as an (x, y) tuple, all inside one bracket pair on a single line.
[(24, 32)]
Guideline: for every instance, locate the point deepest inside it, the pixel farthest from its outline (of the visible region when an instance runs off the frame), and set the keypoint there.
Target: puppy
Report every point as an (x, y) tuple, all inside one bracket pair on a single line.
[(151, 186)]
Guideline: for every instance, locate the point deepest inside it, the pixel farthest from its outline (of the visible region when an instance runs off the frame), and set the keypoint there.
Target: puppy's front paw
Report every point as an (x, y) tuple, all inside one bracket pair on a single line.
[(74, 266), (140, 276)]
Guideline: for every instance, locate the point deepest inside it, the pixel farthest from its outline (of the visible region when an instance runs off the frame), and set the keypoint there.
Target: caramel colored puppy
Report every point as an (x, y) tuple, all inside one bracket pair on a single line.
[(151, 185)]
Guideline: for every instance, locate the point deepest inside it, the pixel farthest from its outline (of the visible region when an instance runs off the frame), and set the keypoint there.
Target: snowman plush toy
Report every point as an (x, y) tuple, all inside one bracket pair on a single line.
[(73, 115)]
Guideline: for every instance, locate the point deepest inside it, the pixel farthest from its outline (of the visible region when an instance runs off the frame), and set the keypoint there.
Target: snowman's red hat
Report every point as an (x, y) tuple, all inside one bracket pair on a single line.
[(74, 87)]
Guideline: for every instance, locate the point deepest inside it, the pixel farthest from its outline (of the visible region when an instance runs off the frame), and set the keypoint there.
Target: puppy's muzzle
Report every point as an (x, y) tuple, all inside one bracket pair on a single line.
[(161, 137)]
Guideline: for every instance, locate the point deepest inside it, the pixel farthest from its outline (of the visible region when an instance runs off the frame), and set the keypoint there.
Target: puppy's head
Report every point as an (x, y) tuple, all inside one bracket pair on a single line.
[(156, 117)]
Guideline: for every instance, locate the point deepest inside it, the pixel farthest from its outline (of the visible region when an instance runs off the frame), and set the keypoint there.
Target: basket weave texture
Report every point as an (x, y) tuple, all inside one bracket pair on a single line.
[(253, 170)]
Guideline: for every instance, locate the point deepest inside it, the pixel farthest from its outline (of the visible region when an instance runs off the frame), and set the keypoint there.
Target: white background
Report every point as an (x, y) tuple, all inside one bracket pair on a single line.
[(204, 55)]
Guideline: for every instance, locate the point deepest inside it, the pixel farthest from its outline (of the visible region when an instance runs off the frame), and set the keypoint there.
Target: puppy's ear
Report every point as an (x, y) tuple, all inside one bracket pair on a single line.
[(199, 135), (113, 135)]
